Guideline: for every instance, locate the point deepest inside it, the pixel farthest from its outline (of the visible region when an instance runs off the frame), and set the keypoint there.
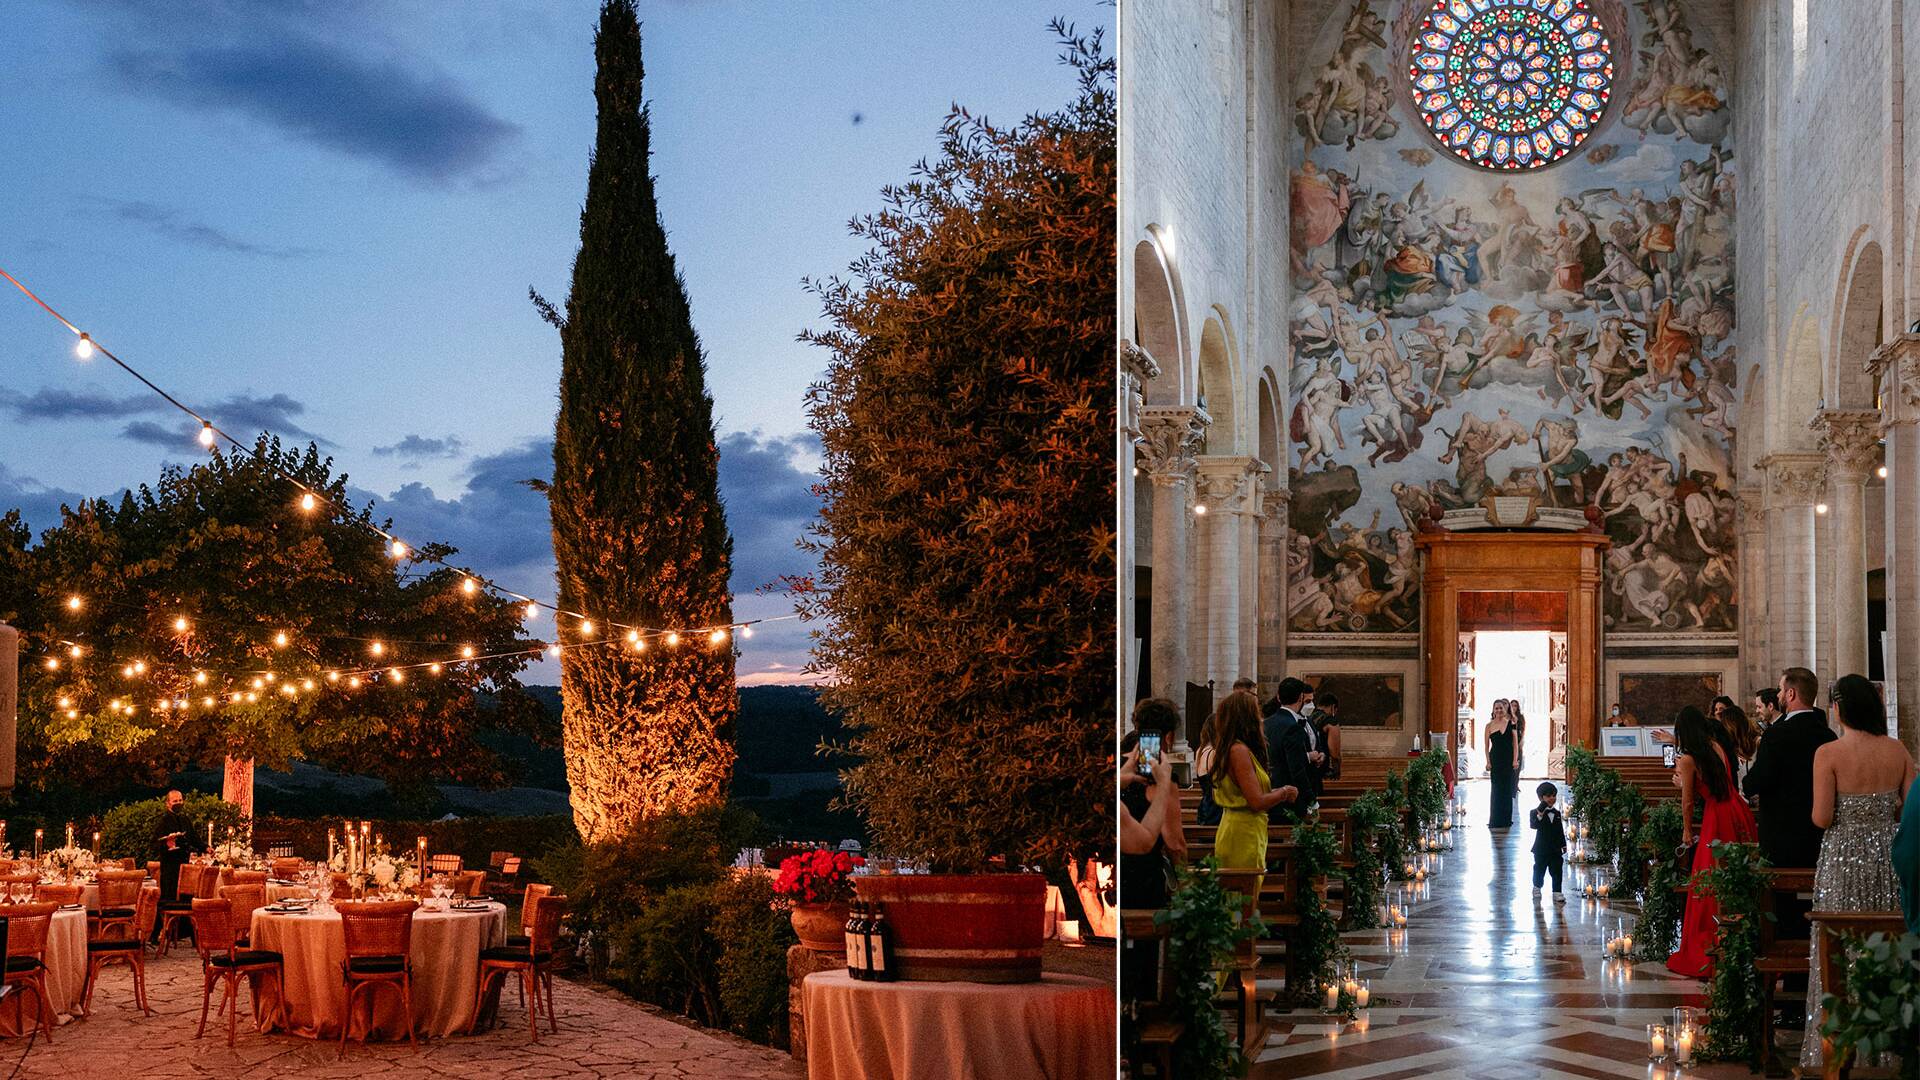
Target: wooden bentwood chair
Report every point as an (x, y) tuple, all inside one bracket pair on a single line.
[(223, 959), (26, 965), (119, 898), (179, 911), (65, 895), (379, 951), (532, 962), (131, 950)]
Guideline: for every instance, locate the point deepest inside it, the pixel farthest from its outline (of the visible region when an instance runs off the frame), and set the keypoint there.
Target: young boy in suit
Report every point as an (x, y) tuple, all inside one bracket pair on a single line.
[(1549, 839)]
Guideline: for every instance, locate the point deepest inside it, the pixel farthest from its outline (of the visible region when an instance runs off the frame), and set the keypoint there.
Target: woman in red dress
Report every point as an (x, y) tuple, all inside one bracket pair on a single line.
[(1705, 776)]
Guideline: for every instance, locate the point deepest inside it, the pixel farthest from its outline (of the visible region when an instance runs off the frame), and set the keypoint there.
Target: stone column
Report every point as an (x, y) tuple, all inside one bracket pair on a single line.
[(1754, 662), (1793, 485), (1170, 437), (1225, 497), (1274, 502), (1849, 439), (1896, 368), (1136, 367), (1251, 523)]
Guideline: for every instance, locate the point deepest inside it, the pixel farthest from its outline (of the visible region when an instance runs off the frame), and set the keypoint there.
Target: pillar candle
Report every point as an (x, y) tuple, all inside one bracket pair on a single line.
[(330, 847), (420, 856), (96, 843), (1363, 995), (1333, 997), (69, 834), (39, 838), (209, 836)]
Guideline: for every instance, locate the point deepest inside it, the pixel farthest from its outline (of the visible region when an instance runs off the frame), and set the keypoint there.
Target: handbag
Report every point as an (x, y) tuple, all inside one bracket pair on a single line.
[(1687, 851)]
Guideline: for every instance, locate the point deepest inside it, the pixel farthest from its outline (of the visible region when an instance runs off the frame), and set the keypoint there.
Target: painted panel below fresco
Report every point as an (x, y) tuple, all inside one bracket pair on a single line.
[(1368, 699), (1653, 697), (1563, 334)]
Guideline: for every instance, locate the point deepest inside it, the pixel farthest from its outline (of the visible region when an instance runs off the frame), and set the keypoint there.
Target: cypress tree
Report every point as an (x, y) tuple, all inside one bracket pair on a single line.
[(639, 534)]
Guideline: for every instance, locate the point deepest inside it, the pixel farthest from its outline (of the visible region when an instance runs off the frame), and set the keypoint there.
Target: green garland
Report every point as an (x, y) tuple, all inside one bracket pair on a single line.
[(1657, 933), (1427, 789), (1203, 930), (1392, 849), (1370, 817), (1627, 810), (1880, 1012), (1314, 946), (1738, 883)]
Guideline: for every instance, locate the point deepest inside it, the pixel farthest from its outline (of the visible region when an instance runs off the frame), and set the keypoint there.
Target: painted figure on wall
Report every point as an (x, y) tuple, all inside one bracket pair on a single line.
[(1465, 323)]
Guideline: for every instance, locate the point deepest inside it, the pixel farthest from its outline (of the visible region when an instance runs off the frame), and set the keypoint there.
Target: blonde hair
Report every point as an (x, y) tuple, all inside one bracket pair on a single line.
[(1235, 720)]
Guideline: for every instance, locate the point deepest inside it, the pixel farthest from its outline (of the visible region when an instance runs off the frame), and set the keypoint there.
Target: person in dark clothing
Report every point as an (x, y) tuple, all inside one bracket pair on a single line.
[(1549, 840), (1503, 766), (172, 844), (1295, 755), (1143, 878), (1781, 776), (1325, 719)]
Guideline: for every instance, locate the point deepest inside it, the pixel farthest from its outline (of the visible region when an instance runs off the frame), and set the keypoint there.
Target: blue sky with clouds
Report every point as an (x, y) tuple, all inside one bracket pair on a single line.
[(322, 218)]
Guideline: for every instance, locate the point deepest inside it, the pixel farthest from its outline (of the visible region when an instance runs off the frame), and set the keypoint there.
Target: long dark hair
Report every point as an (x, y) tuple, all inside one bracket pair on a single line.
[(1697, 737), (1858, 702), (1236, 720), (1741, 729)]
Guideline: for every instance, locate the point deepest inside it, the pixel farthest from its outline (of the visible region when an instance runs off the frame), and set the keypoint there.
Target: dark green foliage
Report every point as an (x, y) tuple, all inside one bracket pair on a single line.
[(754, 934), (639, 534), (1657, 933), (1427, 790), (1629, 808), (1313, 944), (1204, 927), (665, 955), (1738, 883), (1583, 769), (224, 545), (1371, 817), (1392, 843), (966, 590), (1880, 1011), (127, 830)]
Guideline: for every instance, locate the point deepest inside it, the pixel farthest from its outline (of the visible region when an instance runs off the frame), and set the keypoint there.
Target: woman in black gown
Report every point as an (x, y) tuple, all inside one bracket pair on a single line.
[(1504, 765)]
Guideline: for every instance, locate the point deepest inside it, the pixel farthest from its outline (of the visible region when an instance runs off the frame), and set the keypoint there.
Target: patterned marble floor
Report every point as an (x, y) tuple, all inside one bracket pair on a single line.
[(1489, 983)]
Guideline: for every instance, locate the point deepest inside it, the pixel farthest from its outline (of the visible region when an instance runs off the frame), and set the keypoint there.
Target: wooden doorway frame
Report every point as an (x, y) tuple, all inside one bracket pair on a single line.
[(1563, 562)]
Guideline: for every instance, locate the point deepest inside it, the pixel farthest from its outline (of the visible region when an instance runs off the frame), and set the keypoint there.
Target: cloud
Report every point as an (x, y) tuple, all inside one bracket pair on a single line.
[(37, 502), (174, 225), (55, 404), (768, 488), (392, 110), (242, 416), (416, 447), (1653, 161)]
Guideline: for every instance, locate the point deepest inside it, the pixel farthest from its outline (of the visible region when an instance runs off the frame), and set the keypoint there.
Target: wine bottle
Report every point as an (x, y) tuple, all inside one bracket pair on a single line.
[(852, 941), (880, 947), (860, 961)]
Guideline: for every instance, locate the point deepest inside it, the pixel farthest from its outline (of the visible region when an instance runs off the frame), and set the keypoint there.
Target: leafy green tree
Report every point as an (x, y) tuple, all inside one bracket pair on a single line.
[(966, 587), (173, 656), (639, 533)]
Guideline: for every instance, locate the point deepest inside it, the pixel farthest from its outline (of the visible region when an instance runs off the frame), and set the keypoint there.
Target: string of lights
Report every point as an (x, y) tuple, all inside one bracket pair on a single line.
[(311, 499)]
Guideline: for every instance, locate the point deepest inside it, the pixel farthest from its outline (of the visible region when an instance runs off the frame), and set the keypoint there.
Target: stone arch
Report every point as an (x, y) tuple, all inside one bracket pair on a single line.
[(1220, 384), (1797, 393), (1859, 311), (1157, 323), (1752, 445), (1272, 434)]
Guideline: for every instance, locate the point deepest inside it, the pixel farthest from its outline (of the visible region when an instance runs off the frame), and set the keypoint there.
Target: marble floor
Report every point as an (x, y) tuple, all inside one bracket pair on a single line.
[(1489, 983)]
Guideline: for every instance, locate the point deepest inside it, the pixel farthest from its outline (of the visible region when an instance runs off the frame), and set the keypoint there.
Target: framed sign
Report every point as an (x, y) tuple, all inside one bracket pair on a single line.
[(1623, 742), (1368, 699)]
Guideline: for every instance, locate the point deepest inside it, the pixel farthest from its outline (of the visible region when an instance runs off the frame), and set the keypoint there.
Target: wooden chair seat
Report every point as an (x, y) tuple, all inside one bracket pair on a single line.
[(379, 937), (223, 961), (130, 950), (531, 962)]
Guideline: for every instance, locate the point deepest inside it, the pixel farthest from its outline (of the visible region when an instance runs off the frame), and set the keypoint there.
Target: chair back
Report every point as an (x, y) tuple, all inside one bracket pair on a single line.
[(153, 870), (498, 859), (469, 882), (534, 892), (443, 864), (213, 928), (27, 926), (58, 894), (246, 899), (545, 927), (146, 911), (377, 927), (21, 883), (120, 888), (189, 881), (246, 877), (511, 867), (208, 887), (287, 867), (129, 863)]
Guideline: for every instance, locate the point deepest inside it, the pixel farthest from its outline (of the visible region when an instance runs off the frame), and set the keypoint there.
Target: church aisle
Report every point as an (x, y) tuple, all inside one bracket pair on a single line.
[(1488, 983)]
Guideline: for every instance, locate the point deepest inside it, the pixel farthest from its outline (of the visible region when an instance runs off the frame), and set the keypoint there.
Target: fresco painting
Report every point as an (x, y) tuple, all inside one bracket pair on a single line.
[(1565, 332)]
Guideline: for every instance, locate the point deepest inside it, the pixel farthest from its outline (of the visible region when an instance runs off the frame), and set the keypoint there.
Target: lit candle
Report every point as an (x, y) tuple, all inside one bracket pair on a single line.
[(39, 838), (209, 836), (420, 854), (1333, 997), (1363, 995), (96, 843), (1685, 1044), (1626, 945), (330, 846), (69, 834), (1657, 1042)]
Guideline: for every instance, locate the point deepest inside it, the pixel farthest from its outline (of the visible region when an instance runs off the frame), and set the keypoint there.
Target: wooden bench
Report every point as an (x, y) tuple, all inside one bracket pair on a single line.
[(1159, 1033), (1833, 969)]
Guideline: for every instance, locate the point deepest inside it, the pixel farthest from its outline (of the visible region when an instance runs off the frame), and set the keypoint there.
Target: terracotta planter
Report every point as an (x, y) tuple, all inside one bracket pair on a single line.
[(983, 928), (822, 927)]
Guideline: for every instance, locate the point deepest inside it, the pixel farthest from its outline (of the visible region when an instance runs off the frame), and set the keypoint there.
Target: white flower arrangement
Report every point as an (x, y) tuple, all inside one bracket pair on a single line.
[(233, 853), (68, 861)]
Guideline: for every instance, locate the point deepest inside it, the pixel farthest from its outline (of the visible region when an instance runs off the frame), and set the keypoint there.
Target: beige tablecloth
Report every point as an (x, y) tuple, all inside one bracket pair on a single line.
[(66, 976), (446, 972), (1060, 1028)]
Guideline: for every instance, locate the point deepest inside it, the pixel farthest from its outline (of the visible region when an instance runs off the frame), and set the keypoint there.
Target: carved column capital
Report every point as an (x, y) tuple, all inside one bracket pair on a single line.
[(1794, 479), (1170, 437), (1136, 368), (1753, 508), (1275, 500), (1895, 366), (1226, 483), (1850, 439)]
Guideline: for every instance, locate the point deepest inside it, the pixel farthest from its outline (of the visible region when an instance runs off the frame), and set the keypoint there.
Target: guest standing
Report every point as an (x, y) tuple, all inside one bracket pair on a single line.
[(1296, 755), (1858, 783), (1906, 858), (1503, 763), (1766, 706), (1781, 779), (1518, 721), (172, 844), (1743, 737), (1704, 776), (1326, 722), (1240, 784)]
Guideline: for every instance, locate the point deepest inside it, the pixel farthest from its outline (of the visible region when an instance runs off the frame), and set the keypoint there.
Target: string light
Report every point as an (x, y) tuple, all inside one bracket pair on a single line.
[(307, 501), (399, 549), (377, 649), (280, 640), (466, 652), (469, 586), (53, 663), (586, 626), (84, 347), (353, 683), (673, 638), (554, 651), (533, 610), (333, 676), (716, 637), (746, 631), (199, 678), (73, 603), (180, 624), (434, 667), (206, 434), (396, 675), (74, 652)]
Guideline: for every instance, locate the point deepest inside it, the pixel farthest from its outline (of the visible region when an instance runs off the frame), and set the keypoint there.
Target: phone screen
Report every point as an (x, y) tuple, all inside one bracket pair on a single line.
[(1149, 750), (1669, 755)]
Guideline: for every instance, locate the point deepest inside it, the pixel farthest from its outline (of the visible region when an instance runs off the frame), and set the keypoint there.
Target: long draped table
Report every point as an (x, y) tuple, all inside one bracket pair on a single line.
[(446, 973), (66, 960), (1060, 1028)]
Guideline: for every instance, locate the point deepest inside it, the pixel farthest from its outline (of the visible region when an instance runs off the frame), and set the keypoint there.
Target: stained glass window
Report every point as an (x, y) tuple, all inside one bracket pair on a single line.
[(1511, 84)]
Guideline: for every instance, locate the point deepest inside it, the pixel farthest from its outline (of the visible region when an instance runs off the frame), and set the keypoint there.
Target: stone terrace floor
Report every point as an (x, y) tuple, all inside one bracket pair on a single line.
[(602, 1035)]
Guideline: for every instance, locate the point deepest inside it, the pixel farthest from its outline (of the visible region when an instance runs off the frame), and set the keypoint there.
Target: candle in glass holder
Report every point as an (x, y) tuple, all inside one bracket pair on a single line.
[(96, 843), (1656, 1042), (1364, 995), (1683, 1046), (1333, 997), (39, 841)]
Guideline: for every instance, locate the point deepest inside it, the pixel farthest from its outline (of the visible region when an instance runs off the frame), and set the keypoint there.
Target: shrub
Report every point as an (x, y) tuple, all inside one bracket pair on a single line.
[(754, 933), (127, 829), (667, 956)]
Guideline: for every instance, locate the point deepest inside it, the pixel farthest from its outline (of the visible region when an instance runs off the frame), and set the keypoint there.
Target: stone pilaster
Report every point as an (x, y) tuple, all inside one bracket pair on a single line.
[(1170, 437), (1793, 487), (1275, 500), (1850, 441), (1136, 368), (1895, 366), (1755, 663), (1225, 497)]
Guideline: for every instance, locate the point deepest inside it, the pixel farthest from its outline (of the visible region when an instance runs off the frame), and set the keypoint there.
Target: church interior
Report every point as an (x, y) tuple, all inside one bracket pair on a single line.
[(1521, 375)]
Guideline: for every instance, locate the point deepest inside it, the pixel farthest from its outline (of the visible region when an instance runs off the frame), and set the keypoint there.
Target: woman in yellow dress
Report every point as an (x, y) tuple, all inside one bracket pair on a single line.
[(1239, 746)]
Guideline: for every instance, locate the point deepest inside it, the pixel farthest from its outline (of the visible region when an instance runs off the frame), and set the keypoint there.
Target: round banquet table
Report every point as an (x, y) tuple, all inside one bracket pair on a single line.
[(1060, 1028), (66, 960), (446, 972)]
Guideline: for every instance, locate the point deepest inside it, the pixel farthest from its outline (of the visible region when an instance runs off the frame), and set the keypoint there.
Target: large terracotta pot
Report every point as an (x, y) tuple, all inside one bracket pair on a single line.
[(963, 927), (822, 927)]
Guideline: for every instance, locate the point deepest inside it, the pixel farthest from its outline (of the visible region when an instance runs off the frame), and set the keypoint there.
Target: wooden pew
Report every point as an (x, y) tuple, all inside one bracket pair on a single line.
[(1833, 969), (1158, 1033)]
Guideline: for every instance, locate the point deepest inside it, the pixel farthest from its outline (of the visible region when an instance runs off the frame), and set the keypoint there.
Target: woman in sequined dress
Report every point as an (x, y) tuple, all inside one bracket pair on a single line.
[(1859, 780)]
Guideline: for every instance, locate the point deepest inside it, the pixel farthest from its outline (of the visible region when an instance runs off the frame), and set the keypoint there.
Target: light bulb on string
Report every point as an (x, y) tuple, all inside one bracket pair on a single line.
[(746, 631), (466, 651), (533, 610), (84, 347), (353, 683), (673, 638), (586, 627), (333, 676), (469, 586), (270, 676), (716, 637), (306, 684), (252, 697), (377, 649), (396, 675), (280, 640), (289, 689), (307, 501), (53, 663), (399, 549), (199, 678), (180, 624), (74, 603), (74, 651), (258, 682), (207, 701), (633, 637), (64, 702), (434, 667), (139, 667), (206, 434), (554, 650), (1881, 472)]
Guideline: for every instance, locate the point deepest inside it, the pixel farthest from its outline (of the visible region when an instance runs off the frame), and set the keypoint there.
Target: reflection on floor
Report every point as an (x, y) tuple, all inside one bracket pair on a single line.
[(1489, 983)]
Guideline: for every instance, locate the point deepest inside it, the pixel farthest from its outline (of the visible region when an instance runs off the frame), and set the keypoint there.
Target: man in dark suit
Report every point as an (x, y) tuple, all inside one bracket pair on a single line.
[(1294, 754), (1781, 776)]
